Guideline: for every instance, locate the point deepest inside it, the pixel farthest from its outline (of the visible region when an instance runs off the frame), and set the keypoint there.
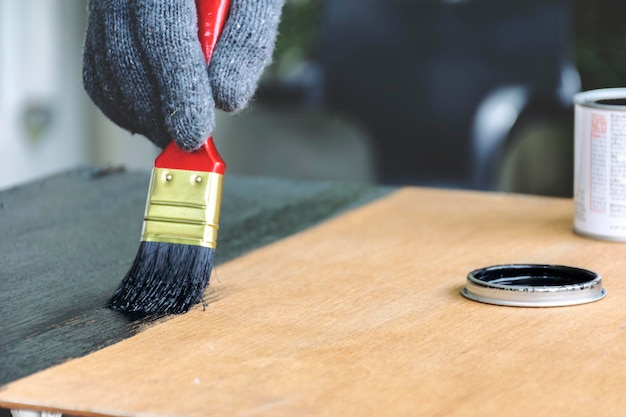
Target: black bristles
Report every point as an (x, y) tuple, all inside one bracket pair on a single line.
[(165, 278)]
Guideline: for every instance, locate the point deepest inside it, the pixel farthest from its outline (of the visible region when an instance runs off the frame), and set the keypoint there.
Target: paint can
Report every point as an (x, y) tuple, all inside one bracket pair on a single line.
[(600, 164)]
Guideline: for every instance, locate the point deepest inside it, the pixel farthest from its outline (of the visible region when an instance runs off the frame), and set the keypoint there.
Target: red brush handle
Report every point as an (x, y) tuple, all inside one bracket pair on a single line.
[(211, 17)]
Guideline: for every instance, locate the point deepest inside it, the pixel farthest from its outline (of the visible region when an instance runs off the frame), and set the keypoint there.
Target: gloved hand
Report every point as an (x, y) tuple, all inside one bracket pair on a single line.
[(144, 68)]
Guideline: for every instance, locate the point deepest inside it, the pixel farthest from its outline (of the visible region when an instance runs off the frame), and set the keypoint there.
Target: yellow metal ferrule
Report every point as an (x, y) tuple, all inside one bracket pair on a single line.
[(183, 207)]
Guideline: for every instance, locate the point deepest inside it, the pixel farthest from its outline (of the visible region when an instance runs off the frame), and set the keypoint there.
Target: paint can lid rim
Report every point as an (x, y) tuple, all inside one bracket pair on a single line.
[(533, 285), (591, 98)]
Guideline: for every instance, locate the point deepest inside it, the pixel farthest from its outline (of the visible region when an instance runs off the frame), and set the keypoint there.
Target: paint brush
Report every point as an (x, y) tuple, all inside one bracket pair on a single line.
[(177, 251)]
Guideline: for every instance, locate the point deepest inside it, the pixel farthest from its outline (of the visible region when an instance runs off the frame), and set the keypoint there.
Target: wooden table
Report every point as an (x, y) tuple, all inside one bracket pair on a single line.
[(362, 315)]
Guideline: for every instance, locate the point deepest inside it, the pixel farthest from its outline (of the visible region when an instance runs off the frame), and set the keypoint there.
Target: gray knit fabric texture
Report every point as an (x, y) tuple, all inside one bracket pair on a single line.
[(144, 68)]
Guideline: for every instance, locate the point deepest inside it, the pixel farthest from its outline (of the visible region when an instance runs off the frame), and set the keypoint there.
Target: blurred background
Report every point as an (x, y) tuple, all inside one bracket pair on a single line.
[(454, 93)]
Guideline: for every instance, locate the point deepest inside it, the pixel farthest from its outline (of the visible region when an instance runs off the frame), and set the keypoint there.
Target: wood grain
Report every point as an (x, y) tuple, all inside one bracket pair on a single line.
[(361, 316), (66, 242)]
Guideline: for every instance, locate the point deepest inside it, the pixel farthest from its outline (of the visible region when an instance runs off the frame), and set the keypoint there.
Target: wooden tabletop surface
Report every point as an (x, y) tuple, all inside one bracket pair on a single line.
[(362, 315), (67, 240)]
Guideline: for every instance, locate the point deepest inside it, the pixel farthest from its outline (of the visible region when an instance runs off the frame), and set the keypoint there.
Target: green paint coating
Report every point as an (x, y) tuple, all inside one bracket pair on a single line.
[(66, 242)]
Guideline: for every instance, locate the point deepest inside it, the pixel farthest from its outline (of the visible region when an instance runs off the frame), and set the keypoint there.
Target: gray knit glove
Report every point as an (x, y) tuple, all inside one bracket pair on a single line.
[(144, 68)]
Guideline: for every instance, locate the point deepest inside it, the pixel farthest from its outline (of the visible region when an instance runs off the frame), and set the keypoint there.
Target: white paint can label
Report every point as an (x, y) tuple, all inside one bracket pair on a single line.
[(600, 164)]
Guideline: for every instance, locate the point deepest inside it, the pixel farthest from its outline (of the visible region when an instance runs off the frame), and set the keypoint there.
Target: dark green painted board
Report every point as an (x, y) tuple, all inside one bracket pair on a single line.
[(66, 241)]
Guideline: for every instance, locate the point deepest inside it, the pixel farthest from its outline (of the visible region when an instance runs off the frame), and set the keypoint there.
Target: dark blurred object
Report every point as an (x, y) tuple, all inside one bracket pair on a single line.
[(600, 42), (446, 89), (431, 78)]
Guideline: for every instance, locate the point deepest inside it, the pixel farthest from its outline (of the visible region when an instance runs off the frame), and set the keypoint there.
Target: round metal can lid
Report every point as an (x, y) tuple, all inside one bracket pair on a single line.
[(533, 285)]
